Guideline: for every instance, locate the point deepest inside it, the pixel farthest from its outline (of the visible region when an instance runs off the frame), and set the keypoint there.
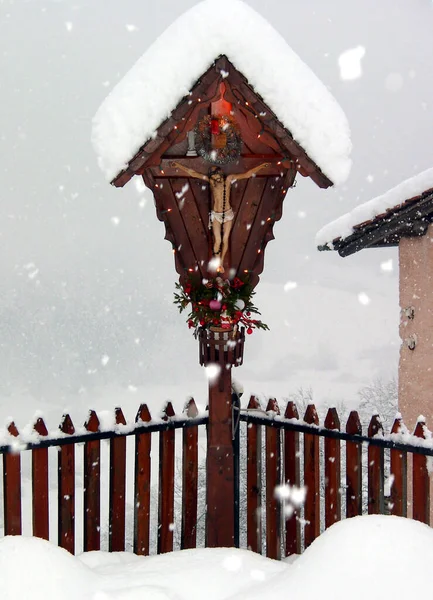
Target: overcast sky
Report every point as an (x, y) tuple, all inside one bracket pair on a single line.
[(87, 279)]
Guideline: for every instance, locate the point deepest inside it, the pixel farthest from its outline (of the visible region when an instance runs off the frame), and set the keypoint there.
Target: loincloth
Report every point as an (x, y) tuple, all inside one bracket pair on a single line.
[(221, 217)]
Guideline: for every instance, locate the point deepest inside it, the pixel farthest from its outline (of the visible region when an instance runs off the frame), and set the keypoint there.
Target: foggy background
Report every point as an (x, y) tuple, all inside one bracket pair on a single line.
[(86, 278)]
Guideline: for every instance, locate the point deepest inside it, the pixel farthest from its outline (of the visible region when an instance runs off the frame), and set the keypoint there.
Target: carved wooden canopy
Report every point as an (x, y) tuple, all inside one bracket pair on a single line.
[(183, 203)]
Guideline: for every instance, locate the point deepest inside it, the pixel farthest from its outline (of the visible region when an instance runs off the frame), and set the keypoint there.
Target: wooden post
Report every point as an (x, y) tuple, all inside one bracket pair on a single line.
[(332, 471), (292, 477), (254, 450), (142, 478), (66, 489), (375, 470), (12, 488), (311, 479), (40, 485), (399, 474), (273, 480), (220, 474), (189, 480), (353, 468)]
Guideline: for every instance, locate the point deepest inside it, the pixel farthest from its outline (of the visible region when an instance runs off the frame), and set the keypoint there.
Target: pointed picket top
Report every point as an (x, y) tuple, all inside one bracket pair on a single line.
[(190, 409), (375, 427), (143, 414), (311, 417), (253, 404), (167, 411), (291, 410), (66, 425), (40, 427), (273, 406), (398, 426), (12, 429), (92, 423), (332, 420), (119, 416), (420, 429), (353, 425)]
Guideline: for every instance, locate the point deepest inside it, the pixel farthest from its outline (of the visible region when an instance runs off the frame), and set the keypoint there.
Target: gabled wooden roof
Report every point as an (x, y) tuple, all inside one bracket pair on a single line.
[(186, 113), (409, 218)]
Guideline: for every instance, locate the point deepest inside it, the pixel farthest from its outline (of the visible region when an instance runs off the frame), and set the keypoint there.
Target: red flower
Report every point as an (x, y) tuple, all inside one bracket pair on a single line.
[(190, 323), (188, 289), (237, 283), (202, 322)]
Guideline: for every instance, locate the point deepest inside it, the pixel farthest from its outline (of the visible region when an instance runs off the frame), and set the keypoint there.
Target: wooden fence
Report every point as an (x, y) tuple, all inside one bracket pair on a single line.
[(344, 472)]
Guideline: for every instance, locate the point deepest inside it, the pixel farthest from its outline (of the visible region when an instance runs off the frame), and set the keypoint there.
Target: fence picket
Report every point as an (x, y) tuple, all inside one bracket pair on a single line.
[(353, 468), (66, 489), (254, 529), (92, 487), (375, 469), (166, 485), (332, 471), (12, 488), (273, 480), (399, 476), (189, 479), (116, 525), (142, 480), (311, 479), (292, 478), (420, 481), (40, 485)]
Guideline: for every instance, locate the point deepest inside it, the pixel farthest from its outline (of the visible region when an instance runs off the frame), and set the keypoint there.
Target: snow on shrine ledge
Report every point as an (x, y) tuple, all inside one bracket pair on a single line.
[(343, 227), (164, 75)]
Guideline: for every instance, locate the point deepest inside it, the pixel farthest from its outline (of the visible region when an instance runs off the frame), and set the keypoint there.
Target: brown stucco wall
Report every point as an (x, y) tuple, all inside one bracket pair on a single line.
[(416, 366)]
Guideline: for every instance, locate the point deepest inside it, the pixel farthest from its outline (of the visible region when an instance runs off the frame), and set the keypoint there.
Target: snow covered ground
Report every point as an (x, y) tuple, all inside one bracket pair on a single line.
[(365, 557)]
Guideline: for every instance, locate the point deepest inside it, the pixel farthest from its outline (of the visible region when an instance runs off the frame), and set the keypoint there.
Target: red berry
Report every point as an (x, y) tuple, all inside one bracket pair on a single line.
[(249, 331)]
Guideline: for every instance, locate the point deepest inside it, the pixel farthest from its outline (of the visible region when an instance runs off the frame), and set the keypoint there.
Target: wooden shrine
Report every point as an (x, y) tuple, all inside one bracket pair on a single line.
[(183, 203), (219, 169)]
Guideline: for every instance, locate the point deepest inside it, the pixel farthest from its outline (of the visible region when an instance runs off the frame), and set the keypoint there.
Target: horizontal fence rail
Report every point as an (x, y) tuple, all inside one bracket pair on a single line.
[(160, 465)]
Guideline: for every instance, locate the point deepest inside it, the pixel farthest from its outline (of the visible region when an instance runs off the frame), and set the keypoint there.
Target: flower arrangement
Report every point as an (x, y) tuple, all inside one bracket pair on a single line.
[(218, 303)]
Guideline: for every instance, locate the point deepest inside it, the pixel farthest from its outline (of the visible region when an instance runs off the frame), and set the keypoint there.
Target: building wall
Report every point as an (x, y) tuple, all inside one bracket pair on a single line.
[(416, 365)]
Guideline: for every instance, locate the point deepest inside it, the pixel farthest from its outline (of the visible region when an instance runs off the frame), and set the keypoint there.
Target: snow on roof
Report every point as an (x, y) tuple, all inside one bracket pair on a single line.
[(154, 86), (344, 226)]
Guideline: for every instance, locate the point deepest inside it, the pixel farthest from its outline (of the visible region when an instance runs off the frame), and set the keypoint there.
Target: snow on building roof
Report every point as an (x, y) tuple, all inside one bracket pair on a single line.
[(406, 192), (154, 86)]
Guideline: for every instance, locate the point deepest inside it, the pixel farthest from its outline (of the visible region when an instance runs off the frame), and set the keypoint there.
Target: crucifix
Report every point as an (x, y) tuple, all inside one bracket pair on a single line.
[(221, 215)]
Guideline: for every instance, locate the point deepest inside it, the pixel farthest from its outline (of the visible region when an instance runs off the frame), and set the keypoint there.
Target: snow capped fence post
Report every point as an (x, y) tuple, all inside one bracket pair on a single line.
[(399, 475), (292, 477), (143, 443), (116, 526), (311, 479), (375, 469), (92, 487), (40, 485), (273, 480), (332, 471), (12, 488), (254, 484), (66, 489), (353, 468), (166, 485), (420, 480), (189, 479)]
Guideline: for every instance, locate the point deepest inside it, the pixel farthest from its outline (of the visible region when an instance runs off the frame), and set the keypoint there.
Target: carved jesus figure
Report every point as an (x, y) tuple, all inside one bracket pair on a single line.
[(221, 215)]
